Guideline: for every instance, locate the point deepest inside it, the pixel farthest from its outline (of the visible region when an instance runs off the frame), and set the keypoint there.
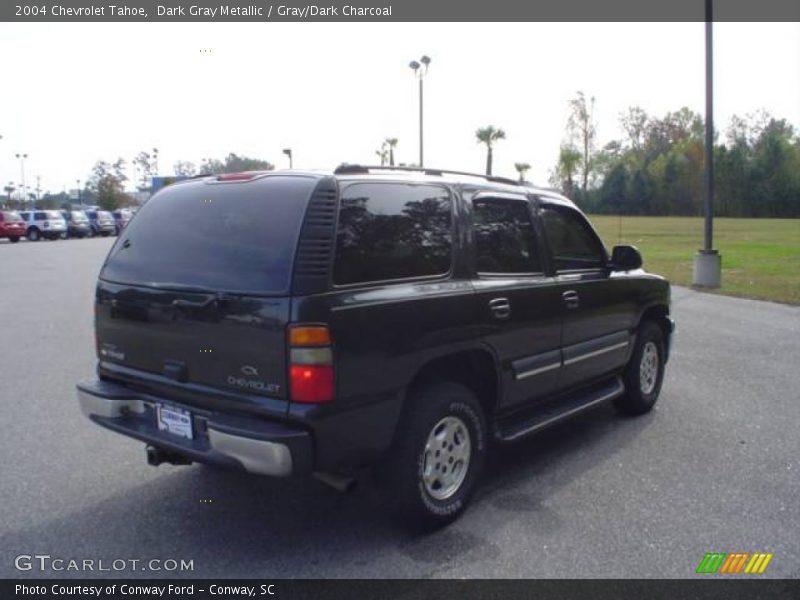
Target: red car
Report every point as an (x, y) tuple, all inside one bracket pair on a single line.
[(11, 225)]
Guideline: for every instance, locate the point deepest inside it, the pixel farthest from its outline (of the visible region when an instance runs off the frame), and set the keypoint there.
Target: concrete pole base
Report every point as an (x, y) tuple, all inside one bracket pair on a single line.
[(707, 270)]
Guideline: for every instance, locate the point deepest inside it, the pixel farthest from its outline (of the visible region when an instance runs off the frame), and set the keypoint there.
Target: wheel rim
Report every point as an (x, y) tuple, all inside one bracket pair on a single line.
[(648, 368), (447, 455)]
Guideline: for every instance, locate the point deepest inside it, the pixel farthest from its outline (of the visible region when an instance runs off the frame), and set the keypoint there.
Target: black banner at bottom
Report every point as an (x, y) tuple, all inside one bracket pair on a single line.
[(438, 589)]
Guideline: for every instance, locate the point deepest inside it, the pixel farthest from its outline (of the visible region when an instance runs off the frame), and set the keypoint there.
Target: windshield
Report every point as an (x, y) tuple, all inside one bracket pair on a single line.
[(234, 237)]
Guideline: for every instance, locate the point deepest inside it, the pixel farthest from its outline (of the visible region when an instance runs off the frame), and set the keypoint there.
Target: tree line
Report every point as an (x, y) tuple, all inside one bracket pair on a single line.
[(658, 166)]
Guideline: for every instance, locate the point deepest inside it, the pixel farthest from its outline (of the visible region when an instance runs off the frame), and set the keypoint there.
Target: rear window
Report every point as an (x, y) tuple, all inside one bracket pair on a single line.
[(393, 231), (234, 237), (11, 216), (54, 214), (78, 216)]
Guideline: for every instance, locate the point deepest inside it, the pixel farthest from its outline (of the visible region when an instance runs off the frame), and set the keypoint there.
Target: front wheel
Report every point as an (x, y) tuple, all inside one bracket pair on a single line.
[(644, 373), (437, 460)]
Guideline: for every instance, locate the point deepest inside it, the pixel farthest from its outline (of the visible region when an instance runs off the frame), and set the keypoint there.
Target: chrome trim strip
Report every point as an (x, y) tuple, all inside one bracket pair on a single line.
[(618, 391), (257, 456), (537, 371), (595, 353)]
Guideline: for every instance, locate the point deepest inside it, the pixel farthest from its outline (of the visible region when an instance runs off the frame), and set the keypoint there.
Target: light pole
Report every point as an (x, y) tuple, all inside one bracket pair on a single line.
[(80, 198), (420, 70), (22, 158), (288, 152), (708, 263)]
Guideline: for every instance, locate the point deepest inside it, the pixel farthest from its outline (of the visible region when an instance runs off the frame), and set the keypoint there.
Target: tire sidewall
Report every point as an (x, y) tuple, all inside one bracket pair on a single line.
[(458, 402), (650, 333)]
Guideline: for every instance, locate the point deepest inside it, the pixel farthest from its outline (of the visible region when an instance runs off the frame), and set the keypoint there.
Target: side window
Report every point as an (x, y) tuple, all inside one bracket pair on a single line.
[(504, 239), (39, 216), (572, 243), (392, 231)]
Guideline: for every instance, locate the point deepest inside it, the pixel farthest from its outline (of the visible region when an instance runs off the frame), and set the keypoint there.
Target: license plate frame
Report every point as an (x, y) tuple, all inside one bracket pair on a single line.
[(174, 421)]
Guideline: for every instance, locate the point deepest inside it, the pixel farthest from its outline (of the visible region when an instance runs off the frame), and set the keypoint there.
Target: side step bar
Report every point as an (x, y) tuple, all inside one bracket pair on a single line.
[(518, 426)]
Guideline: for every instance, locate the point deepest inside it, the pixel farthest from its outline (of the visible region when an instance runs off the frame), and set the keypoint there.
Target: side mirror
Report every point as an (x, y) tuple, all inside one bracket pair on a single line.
[(625, 258)]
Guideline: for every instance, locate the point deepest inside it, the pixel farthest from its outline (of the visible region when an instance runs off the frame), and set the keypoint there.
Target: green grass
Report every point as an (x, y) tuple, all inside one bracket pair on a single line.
[(760, 257)]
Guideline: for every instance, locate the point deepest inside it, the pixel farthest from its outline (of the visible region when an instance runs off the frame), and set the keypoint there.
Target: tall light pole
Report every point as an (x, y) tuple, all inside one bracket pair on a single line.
[(708, 263), (288, 152), (22, 158), (420, 70), (80, 198)]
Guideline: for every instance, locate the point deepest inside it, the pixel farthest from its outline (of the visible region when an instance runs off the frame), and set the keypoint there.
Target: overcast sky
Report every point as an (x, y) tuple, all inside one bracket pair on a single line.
[(76, 93)]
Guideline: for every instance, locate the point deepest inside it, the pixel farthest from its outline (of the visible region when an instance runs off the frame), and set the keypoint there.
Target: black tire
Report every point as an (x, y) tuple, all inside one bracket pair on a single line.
[(13, 239), (642, 379), (34, 235), (444, 407)]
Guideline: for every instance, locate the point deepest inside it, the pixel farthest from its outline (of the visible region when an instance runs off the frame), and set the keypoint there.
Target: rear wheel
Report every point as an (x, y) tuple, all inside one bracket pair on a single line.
[(644, 373), (13, 239), (34, 235), (437, 460)]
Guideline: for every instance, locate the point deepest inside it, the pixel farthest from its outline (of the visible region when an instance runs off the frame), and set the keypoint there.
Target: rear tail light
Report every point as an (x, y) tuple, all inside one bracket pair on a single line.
[(310, 364)]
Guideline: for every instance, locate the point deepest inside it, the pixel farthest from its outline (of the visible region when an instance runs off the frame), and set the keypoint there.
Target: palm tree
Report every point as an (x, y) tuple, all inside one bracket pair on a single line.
[(382, 154), (489, 135), (391, 143), (568, 159), (522, 168)]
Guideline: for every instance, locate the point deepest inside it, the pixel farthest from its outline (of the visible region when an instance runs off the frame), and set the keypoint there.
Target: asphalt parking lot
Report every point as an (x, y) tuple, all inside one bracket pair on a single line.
[(715, 468)]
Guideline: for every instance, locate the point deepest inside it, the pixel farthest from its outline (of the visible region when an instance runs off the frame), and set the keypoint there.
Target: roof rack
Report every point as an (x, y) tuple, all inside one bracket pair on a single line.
[(346, 169)]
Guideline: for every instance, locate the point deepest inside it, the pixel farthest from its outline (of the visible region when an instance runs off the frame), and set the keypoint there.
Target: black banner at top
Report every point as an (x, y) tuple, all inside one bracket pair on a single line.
[(393, 10)]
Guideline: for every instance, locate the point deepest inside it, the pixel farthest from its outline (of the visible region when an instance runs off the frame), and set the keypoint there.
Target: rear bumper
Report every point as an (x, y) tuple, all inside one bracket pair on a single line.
[(258, 446)]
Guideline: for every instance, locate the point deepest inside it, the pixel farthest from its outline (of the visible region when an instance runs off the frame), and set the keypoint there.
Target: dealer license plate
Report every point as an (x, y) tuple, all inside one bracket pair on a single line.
[(174, 420)]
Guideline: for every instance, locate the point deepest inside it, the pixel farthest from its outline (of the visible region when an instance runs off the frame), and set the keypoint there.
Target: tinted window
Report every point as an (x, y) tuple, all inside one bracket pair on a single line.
[(92, 214), (235, 237), (39, 216), (573, 244), (504, 240), (392, 231)]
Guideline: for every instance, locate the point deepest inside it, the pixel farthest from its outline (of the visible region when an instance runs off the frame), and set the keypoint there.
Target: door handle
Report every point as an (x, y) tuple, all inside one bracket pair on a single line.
[(571, 299), (500, 308)]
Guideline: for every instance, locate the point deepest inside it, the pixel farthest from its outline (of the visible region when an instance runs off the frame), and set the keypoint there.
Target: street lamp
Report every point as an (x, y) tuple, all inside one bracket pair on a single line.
[(708, 263), (420, 70), (22, 158), (288, 152)]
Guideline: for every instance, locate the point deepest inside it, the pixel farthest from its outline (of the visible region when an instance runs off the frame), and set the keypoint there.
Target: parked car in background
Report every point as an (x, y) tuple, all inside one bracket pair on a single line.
[(100, 222), (12, 225), (77, 223), (121, 218), (49, 224)]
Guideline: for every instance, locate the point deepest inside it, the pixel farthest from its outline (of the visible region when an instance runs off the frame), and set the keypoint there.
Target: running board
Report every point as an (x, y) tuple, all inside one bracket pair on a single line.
[(514, 427)]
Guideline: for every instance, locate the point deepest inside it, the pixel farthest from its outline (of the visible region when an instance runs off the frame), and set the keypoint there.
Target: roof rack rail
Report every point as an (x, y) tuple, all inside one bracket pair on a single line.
[(347, 169)]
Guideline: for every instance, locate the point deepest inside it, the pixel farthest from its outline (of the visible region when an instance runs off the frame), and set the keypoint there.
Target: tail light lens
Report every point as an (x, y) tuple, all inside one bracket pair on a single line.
[(310, 364)]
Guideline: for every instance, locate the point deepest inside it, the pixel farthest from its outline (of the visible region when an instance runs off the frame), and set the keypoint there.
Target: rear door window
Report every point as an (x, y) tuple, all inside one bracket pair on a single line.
[(236, 237), (504, 238), (390, 231)]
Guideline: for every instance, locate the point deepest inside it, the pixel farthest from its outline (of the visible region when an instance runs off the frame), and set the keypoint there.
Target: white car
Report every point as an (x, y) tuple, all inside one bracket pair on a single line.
[(40, 224)]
